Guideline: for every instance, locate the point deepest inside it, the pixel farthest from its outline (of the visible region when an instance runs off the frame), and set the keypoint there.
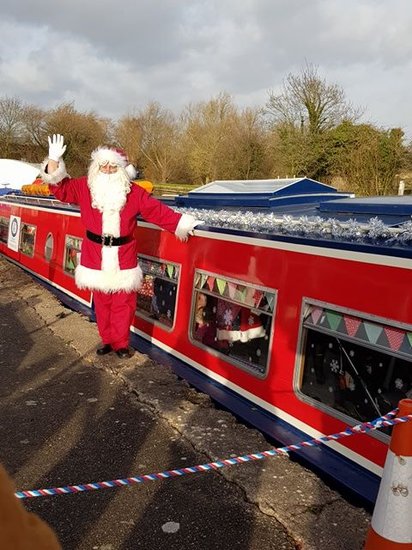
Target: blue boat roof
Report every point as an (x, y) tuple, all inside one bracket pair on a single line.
[(371, 206), (268, 186), (268, 193)]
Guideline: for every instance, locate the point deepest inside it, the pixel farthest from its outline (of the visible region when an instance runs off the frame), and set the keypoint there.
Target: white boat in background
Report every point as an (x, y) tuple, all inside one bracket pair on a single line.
[(15, 173)]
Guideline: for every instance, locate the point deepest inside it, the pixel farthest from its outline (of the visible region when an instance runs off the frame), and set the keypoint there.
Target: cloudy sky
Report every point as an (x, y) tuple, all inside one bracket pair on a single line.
[(114, 57)]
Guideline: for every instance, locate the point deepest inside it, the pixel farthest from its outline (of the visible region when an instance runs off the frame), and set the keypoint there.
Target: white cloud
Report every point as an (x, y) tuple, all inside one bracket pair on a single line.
[(116, 57)]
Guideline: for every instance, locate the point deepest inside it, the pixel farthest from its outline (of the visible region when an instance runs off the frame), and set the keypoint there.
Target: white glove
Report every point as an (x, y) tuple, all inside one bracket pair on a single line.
[(56, 147)]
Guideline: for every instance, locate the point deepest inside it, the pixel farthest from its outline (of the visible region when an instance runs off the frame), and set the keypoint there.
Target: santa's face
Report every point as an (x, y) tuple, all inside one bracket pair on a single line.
[(108, 167), (109, 186)]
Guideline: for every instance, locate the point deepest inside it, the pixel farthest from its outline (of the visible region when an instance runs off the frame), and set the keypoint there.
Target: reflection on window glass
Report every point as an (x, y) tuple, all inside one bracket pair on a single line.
[(4, 229), (73, 246), (48, 247), (28, 235), (234, 319), (156, 299), (355, 366)]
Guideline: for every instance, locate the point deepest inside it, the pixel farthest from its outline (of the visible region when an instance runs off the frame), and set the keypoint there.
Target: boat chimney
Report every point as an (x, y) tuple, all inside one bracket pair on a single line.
[(401, 188)]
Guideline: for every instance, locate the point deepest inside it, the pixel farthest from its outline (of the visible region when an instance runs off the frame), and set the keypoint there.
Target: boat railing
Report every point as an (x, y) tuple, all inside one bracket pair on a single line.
[(33, 200)]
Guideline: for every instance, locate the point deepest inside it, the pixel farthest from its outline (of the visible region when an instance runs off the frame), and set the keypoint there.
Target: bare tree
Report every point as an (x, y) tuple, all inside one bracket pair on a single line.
[(248, 155), (128, 134), (11, 127), (208, 139), (309, 103), (150, 138)]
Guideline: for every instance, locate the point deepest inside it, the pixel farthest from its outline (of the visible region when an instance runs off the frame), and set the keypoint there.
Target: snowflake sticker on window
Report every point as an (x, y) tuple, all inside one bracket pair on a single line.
[(334, 366)]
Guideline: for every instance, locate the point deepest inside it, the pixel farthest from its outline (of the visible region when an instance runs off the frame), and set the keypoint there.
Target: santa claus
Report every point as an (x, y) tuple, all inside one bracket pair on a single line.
[(109, 204)]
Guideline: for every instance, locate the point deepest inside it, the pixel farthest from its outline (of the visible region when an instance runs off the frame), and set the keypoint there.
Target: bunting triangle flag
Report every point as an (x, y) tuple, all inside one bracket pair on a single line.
[(197, 280), (258, 297), (395, 337), (334, 319), (372, 331), (250, 296), (270, 299), (221, 285), (210, 282), (352, 324), (409, 335), (203, 280), (231, 289), (170, 270), (316, 314), (241, 293)]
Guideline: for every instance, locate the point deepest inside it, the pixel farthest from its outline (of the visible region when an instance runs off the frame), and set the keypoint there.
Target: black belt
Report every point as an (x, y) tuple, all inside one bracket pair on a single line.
[(108, 240)]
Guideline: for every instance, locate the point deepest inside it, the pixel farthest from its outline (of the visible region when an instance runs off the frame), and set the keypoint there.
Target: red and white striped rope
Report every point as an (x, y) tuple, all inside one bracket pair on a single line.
[(386, 420)]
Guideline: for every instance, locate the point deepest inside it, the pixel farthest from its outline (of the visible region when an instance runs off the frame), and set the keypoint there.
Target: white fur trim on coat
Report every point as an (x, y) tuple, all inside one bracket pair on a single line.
[(128, 280), (58, 175), (185, 226)]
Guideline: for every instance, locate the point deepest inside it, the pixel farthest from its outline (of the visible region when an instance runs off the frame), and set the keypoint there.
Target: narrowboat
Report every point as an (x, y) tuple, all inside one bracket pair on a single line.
[(291, 306)]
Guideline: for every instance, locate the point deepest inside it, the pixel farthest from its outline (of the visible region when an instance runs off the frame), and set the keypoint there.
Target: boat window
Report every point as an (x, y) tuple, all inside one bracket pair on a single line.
[(359, 367), (48, 247), (156, 299), (234, 319), (72, 253), (28, 236), (4, 229)]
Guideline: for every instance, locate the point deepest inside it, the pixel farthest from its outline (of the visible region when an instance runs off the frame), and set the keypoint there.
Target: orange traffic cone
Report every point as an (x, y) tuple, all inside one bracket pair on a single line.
[(391, 527)]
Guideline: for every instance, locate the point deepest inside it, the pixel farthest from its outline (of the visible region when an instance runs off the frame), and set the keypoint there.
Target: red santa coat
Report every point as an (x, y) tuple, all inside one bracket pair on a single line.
[(114, 268)]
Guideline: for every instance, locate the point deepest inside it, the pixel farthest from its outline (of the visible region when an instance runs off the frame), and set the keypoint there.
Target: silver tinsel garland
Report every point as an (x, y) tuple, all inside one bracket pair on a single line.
[(374, 231)]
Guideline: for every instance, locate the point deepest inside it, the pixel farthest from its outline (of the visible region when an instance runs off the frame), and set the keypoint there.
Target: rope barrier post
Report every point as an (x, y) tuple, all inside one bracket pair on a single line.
[(391, 526)]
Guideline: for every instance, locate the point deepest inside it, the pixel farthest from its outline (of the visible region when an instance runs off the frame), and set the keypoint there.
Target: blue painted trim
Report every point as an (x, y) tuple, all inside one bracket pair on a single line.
[(339, 470)]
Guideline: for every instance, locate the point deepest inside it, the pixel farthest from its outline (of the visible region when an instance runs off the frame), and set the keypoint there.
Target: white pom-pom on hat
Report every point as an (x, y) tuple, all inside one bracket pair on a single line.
[(131, 171)]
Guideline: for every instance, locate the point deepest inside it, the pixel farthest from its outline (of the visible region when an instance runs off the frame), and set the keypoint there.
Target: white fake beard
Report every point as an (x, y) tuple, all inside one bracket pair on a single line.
[(109, 191)]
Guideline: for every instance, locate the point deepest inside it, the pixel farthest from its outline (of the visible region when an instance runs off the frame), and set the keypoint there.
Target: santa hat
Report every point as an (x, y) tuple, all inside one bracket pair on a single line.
[(116, 156)]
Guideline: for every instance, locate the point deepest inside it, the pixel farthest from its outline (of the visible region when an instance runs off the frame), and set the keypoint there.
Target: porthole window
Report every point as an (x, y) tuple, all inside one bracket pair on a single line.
[(48, 247)]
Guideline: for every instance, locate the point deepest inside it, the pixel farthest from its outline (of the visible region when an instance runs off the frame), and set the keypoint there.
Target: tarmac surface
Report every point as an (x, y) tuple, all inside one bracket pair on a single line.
[(69, 417)]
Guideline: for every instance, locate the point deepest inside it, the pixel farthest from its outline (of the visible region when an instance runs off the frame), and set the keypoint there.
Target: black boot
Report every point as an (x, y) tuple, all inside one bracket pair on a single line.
[(106, 348), (123, 353)]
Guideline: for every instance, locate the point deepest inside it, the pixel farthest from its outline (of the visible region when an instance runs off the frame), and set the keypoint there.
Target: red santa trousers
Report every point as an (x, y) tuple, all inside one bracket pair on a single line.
[(114, 314)]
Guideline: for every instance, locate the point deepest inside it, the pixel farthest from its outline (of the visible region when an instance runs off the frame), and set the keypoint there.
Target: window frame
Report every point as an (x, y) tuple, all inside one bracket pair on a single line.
[(300, 356), (68, 236), (6, 220), (146, 317), (23, 224), (217, 353)]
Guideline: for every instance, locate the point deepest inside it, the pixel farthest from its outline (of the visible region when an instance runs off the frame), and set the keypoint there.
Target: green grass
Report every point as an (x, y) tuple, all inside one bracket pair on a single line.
[(172, 188)]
